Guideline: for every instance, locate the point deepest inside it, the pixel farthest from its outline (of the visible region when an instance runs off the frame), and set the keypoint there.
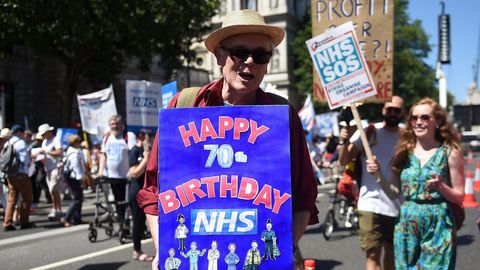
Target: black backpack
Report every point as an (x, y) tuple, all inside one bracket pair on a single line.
[(67, 168), (9, 160)]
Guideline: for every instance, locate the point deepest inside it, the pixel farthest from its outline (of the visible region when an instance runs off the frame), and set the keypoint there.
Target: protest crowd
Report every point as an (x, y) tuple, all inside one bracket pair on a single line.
[(427, 171)]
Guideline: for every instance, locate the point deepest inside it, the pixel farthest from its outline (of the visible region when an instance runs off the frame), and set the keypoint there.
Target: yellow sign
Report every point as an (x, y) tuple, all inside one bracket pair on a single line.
[(373, 22)]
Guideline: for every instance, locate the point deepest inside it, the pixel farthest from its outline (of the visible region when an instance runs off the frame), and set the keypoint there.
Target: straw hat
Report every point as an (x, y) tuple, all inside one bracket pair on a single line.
[(42, 129), (241, 22), (72, 139)]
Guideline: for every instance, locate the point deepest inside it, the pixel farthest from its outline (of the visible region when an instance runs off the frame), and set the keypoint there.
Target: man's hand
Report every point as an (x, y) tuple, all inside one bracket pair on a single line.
[(346, 133), (373, 166)]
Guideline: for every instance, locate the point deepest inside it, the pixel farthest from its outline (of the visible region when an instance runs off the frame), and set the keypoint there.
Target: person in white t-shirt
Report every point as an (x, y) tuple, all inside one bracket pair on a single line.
[(377, 213), (114, 162), (52, 149)]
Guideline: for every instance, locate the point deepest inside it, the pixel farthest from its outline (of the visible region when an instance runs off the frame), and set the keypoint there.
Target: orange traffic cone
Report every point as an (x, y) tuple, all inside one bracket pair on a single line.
[(469, 199), (470, 156), (476, 180)]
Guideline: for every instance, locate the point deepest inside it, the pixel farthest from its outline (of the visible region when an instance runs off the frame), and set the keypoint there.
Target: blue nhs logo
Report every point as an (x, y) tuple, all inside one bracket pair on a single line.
[(223, 221)]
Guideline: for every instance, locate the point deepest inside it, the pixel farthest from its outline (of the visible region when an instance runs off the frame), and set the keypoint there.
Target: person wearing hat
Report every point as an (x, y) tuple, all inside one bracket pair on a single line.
[(52, 149), (19, 183), (243, 47), (74, 170)]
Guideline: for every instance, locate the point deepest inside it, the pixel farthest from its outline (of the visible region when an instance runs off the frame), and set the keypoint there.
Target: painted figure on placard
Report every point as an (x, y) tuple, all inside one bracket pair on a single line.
[(269, 238), (181, 232), (193, 255), (253, 258), (213, 255), (232, 258), (172, 263)]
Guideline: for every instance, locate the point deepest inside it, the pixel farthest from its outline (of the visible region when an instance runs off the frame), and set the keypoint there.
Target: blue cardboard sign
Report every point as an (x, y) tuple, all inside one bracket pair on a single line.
[(224, 188), (64, 133)]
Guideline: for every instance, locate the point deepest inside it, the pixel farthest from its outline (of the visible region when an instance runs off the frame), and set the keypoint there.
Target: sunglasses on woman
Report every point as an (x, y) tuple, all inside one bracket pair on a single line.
[(259, 56), (422, 117)]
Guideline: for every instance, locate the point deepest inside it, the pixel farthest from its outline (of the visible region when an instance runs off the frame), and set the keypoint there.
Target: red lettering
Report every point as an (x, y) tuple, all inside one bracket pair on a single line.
[(192, 132), (168, 201), (210, 182), (255, 132), (181, 195), (207, 130), (192, 188), (225, 186), (265, 197), (241, 125), (279, 200), (248, 188), (225, 123)]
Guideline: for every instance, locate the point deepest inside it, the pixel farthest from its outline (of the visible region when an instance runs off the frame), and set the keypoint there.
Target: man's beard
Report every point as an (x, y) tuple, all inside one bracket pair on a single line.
[(391, 121), (115, 132)]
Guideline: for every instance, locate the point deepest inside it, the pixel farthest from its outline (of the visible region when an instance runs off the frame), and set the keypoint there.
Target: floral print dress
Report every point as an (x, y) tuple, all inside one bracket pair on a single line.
[(424, 233)]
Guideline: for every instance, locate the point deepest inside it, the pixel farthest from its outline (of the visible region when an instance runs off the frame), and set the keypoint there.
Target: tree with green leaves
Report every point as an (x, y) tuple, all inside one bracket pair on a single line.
[(413, 78), (96, 38)]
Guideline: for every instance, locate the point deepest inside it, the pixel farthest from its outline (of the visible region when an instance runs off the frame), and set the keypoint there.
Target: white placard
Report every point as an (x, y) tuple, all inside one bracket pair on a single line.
[(341, 66), (95, 109), (143, 99)]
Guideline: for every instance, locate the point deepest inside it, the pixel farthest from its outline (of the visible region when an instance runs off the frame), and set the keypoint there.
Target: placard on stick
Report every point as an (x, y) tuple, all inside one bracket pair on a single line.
[(341, 66)]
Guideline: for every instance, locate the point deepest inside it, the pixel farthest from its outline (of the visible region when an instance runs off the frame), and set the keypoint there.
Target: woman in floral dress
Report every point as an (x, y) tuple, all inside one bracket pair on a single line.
[(428, 172)]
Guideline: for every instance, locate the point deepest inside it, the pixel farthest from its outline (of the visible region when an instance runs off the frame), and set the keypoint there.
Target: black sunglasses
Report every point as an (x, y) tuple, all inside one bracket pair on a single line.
[(422, 117), (394, 110), (259, 56)]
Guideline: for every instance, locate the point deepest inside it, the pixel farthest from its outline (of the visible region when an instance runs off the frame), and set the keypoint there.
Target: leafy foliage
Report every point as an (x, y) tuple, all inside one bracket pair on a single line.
[(413, 78), (96, 38)]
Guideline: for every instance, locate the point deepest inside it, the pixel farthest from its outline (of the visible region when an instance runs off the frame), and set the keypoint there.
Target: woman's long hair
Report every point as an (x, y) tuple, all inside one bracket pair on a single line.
[(445, 133)]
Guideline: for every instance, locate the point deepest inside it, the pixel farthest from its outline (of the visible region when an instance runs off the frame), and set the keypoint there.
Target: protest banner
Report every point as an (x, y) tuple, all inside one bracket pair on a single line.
[(326, 124), (224, 186), (341, 66), (95, 109), (143, 100), (168, 91), (373, 22)]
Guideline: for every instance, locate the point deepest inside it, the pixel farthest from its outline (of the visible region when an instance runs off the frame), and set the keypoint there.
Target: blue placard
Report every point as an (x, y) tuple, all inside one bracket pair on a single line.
[(224, 187), (64, 133)]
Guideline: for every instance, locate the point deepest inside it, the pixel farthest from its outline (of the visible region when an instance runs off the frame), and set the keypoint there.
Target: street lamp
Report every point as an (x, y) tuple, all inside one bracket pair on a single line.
[(443, 54)]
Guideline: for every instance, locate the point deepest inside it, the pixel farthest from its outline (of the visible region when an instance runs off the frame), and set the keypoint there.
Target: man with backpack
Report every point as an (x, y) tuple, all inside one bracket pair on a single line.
[(243, 48), (377, 213), (17, 178)]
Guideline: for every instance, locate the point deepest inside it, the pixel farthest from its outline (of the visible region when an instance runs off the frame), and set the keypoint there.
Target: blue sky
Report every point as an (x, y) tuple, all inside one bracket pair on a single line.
[(464, 34)]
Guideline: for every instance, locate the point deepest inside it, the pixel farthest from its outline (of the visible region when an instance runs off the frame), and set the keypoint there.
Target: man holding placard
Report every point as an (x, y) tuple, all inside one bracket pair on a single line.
[(377, 213), (243, 47)]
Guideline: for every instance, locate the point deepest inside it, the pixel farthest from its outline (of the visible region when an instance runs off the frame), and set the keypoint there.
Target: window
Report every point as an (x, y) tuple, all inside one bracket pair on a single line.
[(273, 3), (275, 63), (222, 10), (249, 4)]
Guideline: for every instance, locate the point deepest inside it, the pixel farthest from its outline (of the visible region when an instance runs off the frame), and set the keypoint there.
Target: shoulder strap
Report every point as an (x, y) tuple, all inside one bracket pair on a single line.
[(277, 99), (187, 96)]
